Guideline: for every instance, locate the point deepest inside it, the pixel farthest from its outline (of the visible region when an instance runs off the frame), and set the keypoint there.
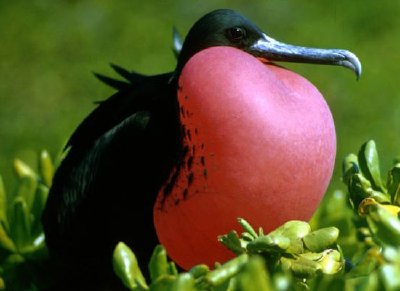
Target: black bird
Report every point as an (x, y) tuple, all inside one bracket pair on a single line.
[(121, 155)]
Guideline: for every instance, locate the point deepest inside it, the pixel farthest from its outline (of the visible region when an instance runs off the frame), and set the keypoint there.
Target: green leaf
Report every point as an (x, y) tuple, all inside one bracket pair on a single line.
[(360, 188), (184, 282), (232, 242), (159, 265), (199, 271), (393, 184), (20, 223), (254, 276), (367, 264), (26, 189), (282, 280), (6, 242), (384, 226), (369, 164), (302, 267), (22, 169), (13, 260), (349, 167), (321, 239), (247, 228), (46, 168), (3, 203), (127, 269), (367, 283), (226, 271), (331, 262), (390, 276), (36, 250), (269, 243), (37, 208), (294, 230), (163, 283)]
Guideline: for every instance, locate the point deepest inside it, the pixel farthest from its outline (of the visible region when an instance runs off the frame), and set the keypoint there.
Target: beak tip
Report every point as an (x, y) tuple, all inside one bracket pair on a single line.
[(357, 68), (352, 62)]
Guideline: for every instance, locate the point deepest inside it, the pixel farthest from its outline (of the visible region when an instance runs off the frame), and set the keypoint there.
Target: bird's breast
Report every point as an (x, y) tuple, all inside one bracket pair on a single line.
[(258, 140)]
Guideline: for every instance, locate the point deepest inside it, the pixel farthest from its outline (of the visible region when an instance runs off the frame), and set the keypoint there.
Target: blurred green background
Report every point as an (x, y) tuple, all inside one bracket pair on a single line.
[(49, 50)]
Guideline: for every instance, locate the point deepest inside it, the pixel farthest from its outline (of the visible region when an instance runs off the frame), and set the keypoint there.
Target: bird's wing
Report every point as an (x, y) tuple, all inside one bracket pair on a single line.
[(118, 158), (115, 109)]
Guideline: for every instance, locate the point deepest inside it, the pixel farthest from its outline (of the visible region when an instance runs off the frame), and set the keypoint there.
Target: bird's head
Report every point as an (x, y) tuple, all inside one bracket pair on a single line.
[(226, 27)]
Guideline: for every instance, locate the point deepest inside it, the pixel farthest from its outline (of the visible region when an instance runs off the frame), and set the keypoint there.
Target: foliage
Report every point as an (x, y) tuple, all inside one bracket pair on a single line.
[(352, 243), (377, 205), (292, 257), (22, 244)]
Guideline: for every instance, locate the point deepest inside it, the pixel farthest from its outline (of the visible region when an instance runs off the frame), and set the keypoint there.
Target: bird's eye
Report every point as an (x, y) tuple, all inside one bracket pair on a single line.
[(236, 34)]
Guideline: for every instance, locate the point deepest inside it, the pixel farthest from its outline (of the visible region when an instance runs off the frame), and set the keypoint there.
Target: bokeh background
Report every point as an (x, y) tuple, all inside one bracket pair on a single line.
[(49, 49)]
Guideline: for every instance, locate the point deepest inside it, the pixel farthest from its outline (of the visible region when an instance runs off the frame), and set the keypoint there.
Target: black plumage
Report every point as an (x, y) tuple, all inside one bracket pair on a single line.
[(105, 187)]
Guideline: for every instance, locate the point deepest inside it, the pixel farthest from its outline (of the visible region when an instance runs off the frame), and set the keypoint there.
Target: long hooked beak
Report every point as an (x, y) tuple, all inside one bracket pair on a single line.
[(273, 50)]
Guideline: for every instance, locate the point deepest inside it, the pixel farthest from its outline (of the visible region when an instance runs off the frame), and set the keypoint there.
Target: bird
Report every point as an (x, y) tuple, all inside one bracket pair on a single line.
[(124, 156)]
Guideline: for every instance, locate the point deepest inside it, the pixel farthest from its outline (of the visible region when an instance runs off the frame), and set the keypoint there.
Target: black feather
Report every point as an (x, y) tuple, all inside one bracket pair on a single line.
[(114, 83), (130, 76)]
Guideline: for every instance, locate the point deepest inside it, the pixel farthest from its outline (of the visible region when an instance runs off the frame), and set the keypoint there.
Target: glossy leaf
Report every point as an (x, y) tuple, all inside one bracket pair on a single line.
[(302, 267), (27, 189), (294, 230), (366, 203), (282, 280), (37, 208), (225, 271), (184, 282), (163, 283), (20, 223), (3, 203), (254, 276), (369, 282), (159, 265), (127, 269), (36, 250), (349, 167), (369, 163), (367, 263), (22, 169), (384, 225), (321, 239), (46, 168), (390, 276), (360, 188), (14, 259), (247, 227), (269, 243), (393, 184), (6, 242), (331, 262), (232, 242), (199, 271)]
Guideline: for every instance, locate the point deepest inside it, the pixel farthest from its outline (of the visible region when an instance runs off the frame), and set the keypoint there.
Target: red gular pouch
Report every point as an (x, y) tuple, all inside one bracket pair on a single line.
[(260, 144)]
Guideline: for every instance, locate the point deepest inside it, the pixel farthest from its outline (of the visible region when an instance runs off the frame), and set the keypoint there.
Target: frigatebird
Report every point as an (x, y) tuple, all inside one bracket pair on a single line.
[(123, 153)]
